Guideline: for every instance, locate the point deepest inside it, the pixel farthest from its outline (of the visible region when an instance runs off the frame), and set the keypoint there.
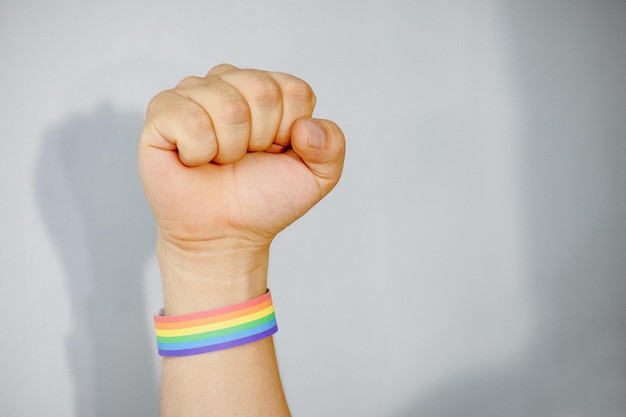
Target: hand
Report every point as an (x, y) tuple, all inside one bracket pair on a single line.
[(230, 159)]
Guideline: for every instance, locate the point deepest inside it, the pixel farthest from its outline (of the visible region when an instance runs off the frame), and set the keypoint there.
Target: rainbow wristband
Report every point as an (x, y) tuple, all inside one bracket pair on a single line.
[(218, 329)]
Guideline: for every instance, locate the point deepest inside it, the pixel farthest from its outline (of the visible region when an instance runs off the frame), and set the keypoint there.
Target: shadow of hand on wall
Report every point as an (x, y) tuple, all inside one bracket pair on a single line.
[(91, 200)]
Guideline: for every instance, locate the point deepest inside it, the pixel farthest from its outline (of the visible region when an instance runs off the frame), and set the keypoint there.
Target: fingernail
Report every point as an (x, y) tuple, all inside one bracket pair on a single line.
[(317, 139)]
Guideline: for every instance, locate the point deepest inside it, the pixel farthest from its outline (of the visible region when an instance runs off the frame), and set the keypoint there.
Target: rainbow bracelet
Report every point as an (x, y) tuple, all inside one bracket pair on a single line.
[(218, 329)]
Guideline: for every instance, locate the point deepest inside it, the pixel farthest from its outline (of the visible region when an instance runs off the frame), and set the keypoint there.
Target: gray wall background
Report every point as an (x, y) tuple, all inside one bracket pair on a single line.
[(470, 263)]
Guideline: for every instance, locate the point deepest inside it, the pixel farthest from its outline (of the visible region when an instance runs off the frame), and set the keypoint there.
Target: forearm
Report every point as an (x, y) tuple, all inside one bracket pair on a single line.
[(242, 381), (239, 381)]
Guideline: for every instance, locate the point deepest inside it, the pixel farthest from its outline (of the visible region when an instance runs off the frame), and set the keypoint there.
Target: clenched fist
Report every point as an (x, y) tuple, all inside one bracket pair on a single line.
[(229, 160)]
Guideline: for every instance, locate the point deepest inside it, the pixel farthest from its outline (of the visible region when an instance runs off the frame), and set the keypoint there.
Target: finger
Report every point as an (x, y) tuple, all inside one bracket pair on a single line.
[(321, 146), (298, 102), (264, 98), (174, 122), (229, 113)]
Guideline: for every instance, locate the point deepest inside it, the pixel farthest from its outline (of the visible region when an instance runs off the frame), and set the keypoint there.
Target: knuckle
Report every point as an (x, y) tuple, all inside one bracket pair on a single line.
[(299, 89), (266, 91), (198, 124), (223, 67), (235, 111), (158, 102), (189, 81)]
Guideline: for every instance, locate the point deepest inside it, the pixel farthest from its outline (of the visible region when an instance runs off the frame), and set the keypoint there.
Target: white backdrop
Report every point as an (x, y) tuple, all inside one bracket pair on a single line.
[(470, 263)]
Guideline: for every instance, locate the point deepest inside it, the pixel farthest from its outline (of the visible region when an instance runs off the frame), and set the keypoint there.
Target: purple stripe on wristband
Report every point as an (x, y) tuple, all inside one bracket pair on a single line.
[(220, 346)]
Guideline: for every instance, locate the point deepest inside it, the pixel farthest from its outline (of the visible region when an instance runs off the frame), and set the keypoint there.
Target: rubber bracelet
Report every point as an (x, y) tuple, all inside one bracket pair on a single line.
[(218, 329)]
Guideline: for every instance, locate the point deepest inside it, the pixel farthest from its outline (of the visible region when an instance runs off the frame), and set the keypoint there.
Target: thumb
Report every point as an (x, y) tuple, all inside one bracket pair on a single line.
[(321, 146)]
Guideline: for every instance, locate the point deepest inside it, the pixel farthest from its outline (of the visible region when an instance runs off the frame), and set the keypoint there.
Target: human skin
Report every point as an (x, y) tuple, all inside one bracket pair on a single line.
[(227, 161)]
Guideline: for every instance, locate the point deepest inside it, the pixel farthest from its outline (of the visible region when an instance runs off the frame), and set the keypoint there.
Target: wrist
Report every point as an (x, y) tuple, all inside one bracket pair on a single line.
[(223, 274)]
